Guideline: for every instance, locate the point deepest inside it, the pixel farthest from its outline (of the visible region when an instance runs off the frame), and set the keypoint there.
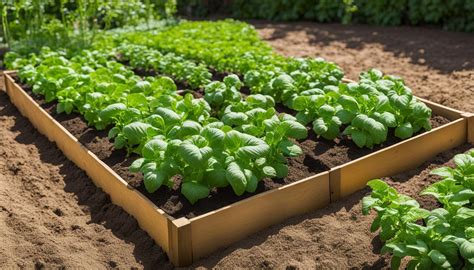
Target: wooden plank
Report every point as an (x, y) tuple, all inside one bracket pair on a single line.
[(470, 127), (181, 253), (150, 218), (229, 224), (353, 176)]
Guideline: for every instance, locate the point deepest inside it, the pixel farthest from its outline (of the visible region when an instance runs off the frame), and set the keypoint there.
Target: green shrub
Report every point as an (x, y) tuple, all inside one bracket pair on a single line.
[(452, 15)]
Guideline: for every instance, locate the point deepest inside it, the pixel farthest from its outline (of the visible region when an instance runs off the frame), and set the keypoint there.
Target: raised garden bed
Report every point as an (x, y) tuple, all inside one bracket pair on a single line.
[(187, 237)]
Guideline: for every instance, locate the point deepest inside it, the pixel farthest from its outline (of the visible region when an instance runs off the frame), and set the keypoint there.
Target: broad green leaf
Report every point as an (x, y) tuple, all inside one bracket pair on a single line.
[(304, 117), (141, 86), (189, 128), (193, 155), (112, 110), (367, 203), (269, 171), (194, 191), (170, 117), (281, 170), (233, 140), (152, 148), (236, 177), (120, 141), (136, 132), (232, 80), (216, 177), (320, 126), (395, 262), (153, 180), (234, 118), (252, 181), (463, 160), (469, 232), (399, 101), (113, 132), (444, 172), (252, 147), (467, 250), (137, 100), (282, 82), (289, 148), (345, 116), (294, 129), (349, 103), (398, 249), (378, 184), (301, 103), (136, 165), (404, 131), (359, 137), (439, 258), (388, 119), (214, 136), (253, 151), (326, 111)]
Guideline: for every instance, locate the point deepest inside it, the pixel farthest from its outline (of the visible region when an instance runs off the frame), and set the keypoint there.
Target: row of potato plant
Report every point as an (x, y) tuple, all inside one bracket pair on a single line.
[(442, 238), (252, 115), (363, 111), (174, 135)]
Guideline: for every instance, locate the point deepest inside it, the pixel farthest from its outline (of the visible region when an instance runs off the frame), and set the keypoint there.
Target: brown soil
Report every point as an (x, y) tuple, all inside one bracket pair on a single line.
[(52, 215), (336, 237), (436, 64)]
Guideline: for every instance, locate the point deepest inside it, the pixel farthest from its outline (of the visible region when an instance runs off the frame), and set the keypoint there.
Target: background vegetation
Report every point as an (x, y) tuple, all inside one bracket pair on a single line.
[(452, 15), (31, 24)]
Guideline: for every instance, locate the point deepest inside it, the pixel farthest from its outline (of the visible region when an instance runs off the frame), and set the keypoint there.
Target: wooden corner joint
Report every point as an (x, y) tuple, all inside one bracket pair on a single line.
[(470, 126), (180, 242)]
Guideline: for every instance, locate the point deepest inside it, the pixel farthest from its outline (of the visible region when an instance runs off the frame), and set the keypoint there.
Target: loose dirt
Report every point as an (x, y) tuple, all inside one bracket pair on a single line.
[(52, 215), (436, 64)]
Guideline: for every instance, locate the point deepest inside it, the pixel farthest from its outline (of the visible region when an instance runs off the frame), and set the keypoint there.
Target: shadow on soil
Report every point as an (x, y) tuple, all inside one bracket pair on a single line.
[(97, 203), (416, 43)]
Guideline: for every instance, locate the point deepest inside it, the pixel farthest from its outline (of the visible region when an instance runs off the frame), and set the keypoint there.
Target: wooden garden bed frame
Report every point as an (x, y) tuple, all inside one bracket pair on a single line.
[(186, 240)]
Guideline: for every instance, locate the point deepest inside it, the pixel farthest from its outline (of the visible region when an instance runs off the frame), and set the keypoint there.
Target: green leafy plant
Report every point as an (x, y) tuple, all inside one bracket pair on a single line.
[(445, 238)]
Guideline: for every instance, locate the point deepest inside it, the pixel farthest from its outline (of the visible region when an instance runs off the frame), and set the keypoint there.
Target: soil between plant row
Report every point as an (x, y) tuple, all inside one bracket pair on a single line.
[(319, 155)]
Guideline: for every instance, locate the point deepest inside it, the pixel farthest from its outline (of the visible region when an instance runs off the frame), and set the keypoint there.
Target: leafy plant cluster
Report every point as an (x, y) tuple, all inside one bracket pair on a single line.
[(177, 137), (170, 64), (442, 238), (364, 111), (453, 15), (226, 45), (30, 25)]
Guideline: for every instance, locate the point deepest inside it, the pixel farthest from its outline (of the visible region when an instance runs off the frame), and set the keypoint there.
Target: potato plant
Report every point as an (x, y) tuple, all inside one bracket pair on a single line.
[(363, 112), (442, 238), (174, 135)]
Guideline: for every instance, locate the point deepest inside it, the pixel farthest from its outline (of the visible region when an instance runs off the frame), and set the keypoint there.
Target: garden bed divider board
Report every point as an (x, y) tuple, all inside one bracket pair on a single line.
[(470, 127), (186, 240)]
